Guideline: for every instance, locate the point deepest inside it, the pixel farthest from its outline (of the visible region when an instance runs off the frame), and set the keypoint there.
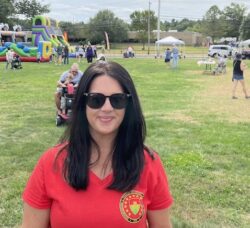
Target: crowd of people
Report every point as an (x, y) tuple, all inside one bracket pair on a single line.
[(60, 54)]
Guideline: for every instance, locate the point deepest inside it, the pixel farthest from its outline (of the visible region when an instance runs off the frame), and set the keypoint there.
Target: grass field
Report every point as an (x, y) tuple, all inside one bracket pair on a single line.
[(201, 134)]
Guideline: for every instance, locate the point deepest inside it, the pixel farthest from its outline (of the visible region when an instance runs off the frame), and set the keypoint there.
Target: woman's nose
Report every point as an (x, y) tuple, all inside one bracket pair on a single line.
[(107, 105)]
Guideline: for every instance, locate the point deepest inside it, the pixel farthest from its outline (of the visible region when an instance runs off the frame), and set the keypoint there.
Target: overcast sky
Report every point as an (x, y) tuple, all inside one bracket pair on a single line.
[(83, 10)]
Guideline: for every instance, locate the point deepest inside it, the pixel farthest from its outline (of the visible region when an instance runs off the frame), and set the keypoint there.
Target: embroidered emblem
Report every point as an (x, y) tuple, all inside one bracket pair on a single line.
[(131, 206)]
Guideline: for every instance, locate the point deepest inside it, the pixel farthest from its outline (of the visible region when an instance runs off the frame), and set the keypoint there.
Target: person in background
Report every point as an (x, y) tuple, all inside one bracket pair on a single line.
[(89, 54), (38, 57), (59, 52), (77, 53), (9, 58), (167, 56), (101, 174), (81, 54), (94, 51), (175, 56), (76, 76), (66, 54), (101, 57), (53, 56), (238, 75), (221, 60), (16, 62), (130, 51)]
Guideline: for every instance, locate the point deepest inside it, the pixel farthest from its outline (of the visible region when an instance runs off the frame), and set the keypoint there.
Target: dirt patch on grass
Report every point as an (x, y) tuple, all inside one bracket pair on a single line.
[(216, 99), (179, 116)]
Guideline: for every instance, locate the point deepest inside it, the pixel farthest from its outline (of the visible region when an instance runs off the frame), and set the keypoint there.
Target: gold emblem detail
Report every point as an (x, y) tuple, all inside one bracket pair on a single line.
[(131, 206)]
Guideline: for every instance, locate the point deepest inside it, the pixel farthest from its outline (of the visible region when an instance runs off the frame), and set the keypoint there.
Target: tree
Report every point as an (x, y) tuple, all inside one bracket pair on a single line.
[(30, 8), (105, 21), (245, 28), (6, 10), (184, 24), (139, 22), (173, 24), (233, 16), (165, 26), (212, 24), (76, 31)]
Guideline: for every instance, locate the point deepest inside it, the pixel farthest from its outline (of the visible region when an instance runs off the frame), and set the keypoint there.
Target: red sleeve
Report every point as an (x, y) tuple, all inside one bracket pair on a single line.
[(35, 193), (160, 194)]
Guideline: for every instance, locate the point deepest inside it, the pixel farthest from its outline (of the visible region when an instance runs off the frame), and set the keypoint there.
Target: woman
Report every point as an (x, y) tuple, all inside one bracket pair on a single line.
[(101, 174), (238, 68), (89, 54)]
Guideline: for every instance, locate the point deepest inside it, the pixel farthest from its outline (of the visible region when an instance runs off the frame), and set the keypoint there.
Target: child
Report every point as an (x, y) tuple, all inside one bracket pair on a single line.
[(38, 57), (68, 79)]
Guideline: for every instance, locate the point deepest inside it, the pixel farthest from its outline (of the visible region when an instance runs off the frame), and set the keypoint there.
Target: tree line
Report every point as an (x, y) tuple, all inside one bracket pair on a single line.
[(232, 21)]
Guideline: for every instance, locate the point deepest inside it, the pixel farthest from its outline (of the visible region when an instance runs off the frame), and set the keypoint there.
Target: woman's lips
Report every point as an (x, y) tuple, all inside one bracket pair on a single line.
[(105, 118)]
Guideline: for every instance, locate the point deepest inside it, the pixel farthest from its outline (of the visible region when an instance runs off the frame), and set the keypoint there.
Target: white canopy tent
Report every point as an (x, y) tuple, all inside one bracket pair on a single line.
[(170, 40)]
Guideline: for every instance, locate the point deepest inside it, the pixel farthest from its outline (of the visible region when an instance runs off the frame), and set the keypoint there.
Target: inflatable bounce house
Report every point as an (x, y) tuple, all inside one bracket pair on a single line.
[(46, 29), (45, 35)]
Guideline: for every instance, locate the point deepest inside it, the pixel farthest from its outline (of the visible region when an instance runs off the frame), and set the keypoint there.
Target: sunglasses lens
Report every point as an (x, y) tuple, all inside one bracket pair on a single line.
[(96, 101), (118, 101)]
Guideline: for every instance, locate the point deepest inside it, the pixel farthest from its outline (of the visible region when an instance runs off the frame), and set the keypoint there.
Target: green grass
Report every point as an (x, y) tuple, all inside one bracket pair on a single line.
[(201, 134)]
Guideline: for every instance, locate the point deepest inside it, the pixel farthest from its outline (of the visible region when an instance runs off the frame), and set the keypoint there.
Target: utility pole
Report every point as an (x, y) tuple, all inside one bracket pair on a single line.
[(149, 26), (158, 28)]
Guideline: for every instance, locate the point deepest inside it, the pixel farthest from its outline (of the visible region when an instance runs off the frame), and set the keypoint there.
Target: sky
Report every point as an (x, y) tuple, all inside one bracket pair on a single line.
[(82, 10)]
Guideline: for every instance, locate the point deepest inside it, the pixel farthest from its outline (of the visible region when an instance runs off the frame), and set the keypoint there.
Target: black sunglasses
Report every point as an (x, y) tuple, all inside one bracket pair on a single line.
[(97, 100)]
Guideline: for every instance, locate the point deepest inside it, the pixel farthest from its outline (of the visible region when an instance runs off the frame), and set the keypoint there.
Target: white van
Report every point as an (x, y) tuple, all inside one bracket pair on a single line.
[(222, 50)]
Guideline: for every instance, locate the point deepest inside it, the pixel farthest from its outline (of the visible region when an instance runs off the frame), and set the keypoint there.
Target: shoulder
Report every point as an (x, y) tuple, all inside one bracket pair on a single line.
[(154, 167), (51, 159), (152, 160), (65, 73), (49, 156)]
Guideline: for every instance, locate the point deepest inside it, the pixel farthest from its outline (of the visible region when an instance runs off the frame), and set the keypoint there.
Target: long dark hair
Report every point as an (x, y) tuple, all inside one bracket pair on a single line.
[(128, 155)]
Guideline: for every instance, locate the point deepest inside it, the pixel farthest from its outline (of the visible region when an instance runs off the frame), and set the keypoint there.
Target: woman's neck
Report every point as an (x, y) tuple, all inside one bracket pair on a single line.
[(101, 156)]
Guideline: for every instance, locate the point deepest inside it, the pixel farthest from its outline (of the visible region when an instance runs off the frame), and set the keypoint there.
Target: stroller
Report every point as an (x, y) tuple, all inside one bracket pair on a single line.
[(16, 63), (221, 67), (66, 104)]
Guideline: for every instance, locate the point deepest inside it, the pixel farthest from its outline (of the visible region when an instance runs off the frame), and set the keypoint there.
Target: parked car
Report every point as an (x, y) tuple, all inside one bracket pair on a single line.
[(222, 50), (245, 53)]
